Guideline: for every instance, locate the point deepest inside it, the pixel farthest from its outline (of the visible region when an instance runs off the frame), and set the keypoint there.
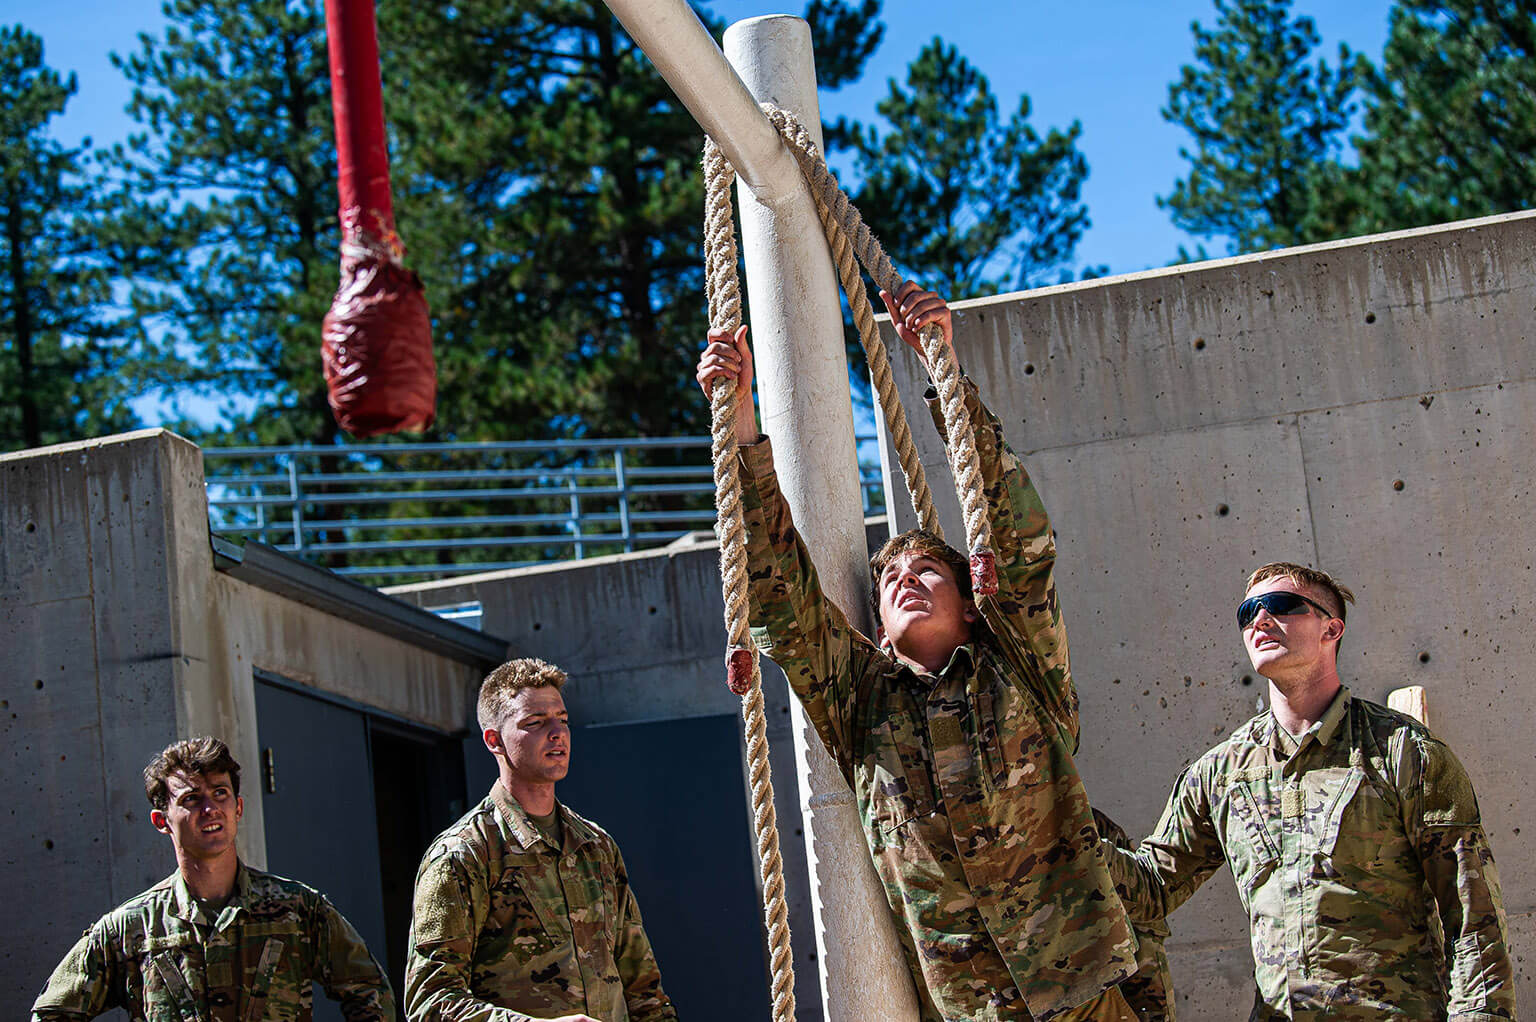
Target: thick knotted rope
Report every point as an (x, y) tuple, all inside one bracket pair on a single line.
[(742, 672), (851, 243), (840, 217)]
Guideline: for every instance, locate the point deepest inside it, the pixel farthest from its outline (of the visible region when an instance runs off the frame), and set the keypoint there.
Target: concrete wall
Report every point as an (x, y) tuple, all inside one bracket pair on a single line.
[(119, 638), (1368, 407)]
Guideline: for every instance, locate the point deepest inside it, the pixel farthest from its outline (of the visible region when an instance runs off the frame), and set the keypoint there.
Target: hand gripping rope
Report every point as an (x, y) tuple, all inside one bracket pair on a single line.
[(852, 244)]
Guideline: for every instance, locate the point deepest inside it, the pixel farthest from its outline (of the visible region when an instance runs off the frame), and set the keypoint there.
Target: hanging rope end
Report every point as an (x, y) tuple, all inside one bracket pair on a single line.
[(983, 572), (739, 664)]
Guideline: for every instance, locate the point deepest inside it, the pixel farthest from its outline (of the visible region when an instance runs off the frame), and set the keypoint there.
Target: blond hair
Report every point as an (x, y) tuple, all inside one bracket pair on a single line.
[(1337, 593), (503, 684)]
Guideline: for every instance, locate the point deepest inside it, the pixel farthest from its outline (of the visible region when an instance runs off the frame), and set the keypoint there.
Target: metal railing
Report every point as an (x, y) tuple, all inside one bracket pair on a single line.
[(396, 512)]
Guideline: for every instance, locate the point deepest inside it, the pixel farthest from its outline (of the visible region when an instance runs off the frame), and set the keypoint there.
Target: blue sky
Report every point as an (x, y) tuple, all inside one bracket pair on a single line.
[(1106, 63)]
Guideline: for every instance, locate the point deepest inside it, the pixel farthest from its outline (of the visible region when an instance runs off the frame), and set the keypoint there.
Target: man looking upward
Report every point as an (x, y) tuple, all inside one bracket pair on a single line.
[(955, 726), (216, 941), (1347, 826)]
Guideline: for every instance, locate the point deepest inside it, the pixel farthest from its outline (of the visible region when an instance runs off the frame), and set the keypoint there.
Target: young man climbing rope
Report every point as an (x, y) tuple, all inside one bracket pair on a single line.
[(955, 727)]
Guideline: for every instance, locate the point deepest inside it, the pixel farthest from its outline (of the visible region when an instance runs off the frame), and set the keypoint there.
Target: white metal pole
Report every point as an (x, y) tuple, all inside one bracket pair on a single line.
[(802, 379), (688, 58)]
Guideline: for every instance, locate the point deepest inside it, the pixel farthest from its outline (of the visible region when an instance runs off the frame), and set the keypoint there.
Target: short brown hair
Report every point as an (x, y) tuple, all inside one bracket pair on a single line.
[(928, 545), (505, 682), (1337, 593), (206, 756)]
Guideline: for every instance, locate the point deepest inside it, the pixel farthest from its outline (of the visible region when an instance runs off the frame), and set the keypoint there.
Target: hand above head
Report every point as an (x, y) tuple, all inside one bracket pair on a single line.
[(911, 309), (730, 358)]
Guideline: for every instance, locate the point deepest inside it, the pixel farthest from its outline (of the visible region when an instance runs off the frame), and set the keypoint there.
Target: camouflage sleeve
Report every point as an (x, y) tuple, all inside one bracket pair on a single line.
[(1442, 819), (347, 972), (447, 912), (1025, 613), (85, 984), (636, 960), (1180, 855), (793, 622)]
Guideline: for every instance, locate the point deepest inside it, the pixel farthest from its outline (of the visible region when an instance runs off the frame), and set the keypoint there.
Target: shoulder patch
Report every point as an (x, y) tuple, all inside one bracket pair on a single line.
[(1448, 797)]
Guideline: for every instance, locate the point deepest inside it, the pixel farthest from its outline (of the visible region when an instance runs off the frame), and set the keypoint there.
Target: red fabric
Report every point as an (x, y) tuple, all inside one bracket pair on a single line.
[(376, 347), (984, 573), (738, 670), (376, 341), (357, 100)]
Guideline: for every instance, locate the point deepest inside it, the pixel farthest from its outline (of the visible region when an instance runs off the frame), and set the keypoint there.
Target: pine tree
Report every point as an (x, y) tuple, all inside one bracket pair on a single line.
[(962, 200), (1267, 123), (228, 206), (59, 349), (1451, 115), (546, 188)]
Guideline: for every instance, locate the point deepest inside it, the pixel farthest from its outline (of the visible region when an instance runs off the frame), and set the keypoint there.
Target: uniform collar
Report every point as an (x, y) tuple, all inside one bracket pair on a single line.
[(185, 906), (518, 829), (1323, 732), (963, 655)]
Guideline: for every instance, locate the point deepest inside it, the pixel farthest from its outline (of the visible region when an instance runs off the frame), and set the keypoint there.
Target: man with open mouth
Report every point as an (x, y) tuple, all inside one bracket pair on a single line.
[(1350, 830)]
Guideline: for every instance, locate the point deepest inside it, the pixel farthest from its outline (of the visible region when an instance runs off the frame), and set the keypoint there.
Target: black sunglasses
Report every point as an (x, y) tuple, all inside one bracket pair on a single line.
[(1278, 603)]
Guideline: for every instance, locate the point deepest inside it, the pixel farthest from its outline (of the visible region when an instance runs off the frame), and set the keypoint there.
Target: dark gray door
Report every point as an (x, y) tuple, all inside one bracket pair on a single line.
[(670, 792), (318, 805)]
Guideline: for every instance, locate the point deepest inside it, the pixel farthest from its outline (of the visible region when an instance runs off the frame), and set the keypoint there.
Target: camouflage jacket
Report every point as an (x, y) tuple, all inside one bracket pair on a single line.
[(1150, 992), (159, 956), (971, 803), (1342, 844), (507, 929)]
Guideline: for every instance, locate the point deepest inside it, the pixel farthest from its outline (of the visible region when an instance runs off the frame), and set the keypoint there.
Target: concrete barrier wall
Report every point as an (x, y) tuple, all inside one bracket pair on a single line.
[(1367, 407), (119, 637)]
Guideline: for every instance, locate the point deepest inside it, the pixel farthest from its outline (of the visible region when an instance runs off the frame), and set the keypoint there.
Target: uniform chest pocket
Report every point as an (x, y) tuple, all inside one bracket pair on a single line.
[(1247, 842), (899, 787), (1361, 826), (516, 922)]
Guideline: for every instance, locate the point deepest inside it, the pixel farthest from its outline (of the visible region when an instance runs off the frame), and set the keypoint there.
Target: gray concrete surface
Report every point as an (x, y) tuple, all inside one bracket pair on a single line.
[(119, 638), (1365, 407)]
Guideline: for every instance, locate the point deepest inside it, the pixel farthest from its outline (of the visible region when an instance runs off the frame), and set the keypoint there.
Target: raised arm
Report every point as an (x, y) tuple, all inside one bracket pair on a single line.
[(793, 622), (1024, 614), (1445, 826)]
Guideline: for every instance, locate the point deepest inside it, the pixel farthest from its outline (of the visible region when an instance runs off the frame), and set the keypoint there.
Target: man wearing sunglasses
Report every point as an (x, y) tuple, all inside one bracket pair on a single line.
[(1350, 830)]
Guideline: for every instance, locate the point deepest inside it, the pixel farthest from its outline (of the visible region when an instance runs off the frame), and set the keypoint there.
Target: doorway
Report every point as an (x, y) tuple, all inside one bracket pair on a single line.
[(352, 797)]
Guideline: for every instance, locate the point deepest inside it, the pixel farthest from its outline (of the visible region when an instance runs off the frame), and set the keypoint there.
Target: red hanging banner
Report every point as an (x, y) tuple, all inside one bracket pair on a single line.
[(376, 341)]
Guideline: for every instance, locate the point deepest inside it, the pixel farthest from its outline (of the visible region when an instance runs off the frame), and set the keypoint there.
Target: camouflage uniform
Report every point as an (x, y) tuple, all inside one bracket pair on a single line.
[(972, 806), (1340, 843), (507, 929), (1149, 993), (159, 956)]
